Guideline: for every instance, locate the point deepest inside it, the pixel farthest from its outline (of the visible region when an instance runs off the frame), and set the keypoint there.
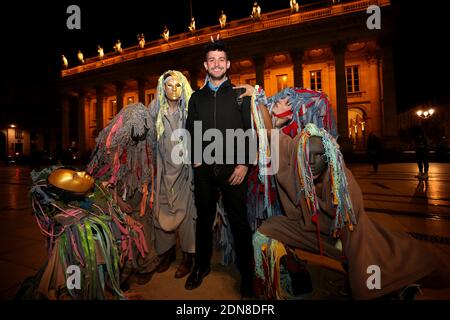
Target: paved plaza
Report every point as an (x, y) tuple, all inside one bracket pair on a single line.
[(392, 196)]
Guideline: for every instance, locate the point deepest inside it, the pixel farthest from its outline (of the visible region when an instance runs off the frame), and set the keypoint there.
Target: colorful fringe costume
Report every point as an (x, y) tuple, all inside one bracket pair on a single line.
[(262, 200), (276, 282), (123, 160), (344, 214), (307, 107), (402, 259), (124, 154), (89, 232), (222, 236)]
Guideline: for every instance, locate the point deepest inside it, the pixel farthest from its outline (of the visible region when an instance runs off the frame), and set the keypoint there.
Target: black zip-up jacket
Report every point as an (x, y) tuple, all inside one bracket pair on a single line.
[(221, 110)]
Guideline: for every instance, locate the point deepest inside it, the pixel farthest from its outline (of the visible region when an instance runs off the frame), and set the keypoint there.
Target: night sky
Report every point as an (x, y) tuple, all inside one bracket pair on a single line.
[(34, 35)]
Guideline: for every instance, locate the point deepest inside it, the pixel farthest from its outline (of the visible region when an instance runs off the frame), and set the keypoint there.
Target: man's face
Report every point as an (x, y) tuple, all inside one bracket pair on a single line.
[(216, 64), (317, 157), (281, 106), (172, 88)]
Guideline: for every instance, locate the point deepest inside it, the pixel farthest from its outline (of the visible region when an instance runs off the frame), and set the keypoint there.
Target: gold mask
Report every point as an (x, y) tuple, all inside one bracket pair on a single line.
[(172, 88), (70, 180)]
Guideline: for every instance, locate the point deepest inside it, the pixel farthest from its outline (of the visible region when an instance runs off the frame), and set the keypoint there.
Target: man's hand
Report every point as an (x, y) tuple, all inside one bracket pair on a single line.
[(249, 90), (238, 175), (196, 165)]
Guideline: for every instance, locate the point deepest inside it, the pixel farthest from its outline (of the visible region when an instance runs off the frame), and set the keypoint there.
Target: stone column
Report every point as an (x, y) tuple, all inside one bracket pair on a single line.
[(389, 96), (100, 93), (341, 90), (119, 95), (65, 135), (259, 69), (341, 97), (297, 61), (81, 123), (141, 90), (376, 123)]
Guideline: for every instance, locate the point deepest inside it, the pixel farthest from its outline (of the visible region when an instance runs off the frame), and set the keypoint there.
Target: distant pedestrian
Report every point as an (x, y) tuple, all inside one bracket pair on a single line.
[(422, 149), (374, 150)]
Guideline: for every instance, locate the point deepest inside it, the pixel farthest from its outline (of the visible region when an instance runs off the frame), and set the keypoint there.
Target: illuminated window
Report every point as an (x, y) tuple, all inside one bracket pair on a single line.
[(352, 74), (112, 109), (18, 133), (282, 81), (316, 80)]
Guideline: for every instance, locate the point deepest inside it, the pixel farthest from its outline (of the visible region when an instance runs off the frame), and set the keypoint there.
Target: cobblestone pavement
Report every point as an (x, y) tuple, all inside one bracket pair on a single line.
[(392, 196)]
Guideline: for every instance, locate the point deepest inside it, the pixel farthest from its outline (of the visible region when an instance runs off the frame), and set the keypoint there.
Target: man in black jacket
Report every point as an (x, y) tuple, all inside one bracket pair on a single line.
[(219, 107)]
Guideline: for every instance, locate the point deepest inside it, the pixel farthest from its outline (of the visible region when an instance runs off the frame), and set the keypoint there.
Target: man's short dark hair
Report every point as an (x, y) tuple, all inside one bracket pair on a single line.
[(217, 45)]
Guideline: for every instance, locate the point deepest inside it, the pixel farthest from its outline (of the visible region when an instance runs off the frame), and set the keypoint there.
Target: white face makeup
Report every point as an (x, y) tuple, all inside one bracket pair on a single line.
[(172, 88)]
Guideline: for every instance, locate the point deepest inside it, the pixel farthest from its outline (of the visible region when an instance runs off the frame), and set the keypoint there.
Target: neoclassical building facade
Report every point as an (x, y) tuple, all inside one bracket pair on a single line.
[(330, 49)]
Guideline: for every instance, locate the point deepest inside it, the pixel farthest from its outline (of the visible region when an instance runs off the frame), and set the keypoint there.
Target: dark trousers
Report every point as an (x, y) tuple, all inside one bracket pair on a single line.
[(422, 160), (208, 181)]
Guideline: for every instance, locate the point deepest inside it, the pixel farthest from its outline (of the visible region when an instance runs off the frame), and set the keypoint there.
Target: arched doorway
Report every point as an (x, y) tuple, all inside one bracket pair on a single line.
[(357, 122)]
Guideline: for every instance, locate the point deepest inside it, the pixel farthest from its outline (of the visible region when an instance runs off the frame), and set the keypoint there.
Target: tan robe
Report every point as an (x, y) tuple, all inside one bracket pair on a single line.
[(174, 209), (402, 259)]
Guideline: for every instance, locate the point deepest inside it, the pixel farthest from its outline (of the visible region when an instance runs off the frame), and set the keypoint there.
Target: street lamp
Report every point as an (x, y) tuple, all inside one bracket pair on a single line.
[(425, 114)]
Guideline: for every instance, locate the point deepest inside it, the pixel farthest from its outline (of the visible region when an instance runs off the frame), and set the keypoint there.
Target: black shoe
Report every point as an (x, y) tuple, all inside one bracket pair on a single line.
[(410, 292), (125, 286), (196, 277), (166, 260)]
